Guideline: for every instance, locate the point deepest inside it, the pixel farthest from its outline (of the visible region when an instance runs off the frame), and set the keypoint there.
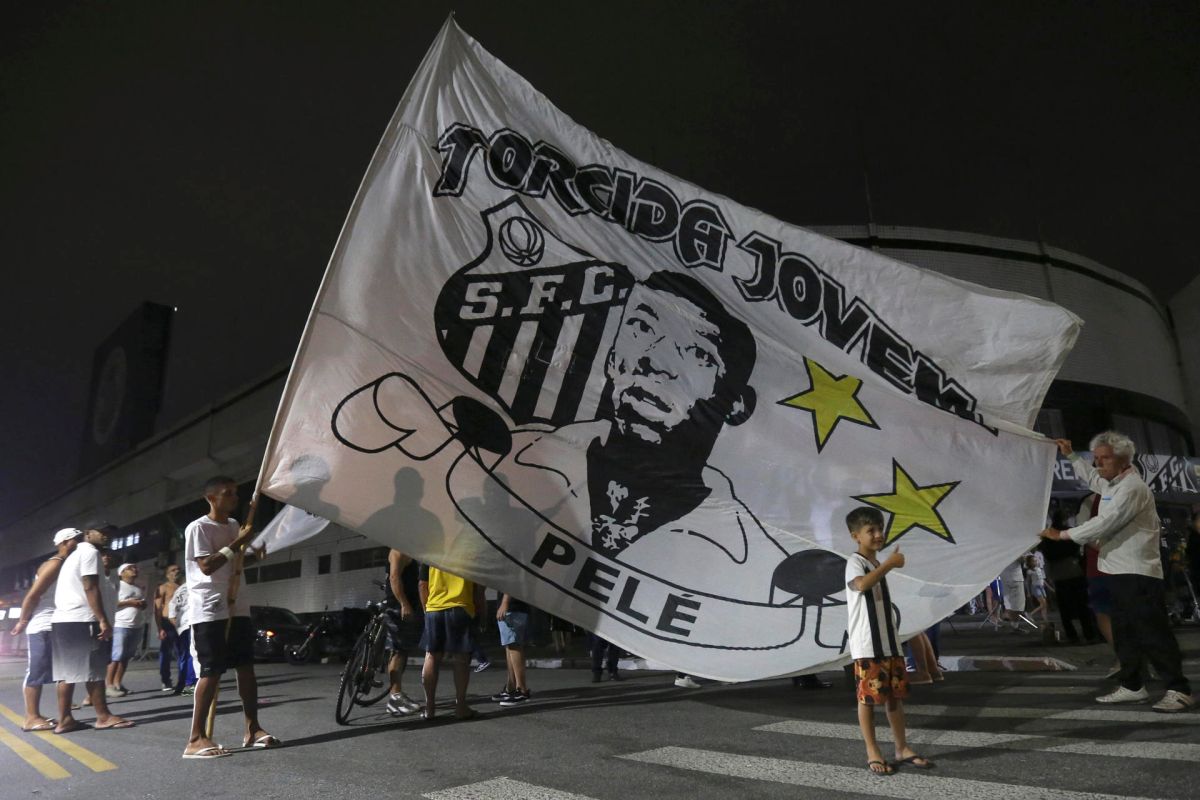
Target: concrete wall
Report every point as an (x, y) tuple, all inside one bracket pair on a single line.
[(1127, 341), (163, 473), (1185, 311)]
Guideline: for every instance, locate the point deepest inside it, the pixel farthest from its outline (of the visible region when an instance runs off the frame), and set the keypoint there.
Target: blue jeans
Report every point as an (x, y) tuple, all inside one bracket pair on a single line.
[(166, 651), (187, 670)]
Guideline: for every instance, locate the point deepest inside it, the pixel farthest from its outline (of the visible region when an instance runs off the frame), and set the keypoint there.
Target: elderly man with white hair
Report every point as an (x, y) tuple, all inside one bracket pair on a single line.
[(1126, 529)]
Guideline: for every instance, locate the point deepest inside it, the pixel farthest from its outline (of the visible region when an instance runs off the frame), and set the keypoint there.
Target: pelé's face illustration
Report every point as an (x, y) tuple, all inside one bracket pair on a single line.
[(664, 362)]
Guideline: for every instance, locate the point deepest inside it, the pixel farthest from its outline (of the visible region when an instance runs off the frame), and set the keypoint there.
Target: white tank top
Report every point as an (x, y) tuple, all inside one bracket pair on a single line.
[(40, 621)]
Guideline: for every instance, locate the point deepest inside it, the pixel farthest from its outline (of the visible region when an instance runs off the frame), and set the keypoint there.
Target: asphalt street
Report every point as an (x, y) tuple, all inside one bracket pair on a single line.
[(992, 734)]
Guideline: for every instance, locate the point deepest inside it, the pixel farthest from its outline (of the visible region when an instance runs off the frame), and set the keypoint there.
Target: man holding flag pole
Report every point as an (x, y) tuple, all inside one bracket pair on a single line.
[(222, 636)]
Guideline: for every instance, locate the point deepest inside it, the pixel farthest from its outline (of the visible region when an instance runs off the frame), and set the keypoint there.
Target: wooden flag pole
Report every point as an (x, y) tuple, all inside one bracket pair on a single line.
[(234, 585)]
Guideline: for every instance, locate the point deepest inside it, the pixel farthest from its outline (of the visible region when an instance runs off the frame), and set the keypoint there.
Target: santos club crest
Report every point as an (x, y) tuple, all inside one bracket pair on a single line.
[(530, 320)]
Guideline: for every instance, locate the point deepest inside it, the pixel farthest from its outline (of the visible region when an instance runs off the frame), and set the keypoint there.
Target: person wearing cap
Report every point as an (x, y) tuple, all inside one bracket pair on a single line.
[(36, 610), (80, 631), (127, 627)]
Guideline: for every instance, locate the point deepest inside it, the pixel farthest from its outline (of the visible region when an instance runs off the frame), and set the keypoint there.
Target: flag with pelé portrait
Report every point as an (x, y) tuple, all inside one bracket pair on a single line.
[(558, 371)]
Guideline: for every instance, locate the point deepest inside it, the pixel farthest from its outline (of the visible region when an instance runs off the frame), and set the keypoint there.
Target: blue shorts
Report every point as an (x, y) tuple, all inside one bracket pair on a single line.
[(514, 628), (41, 660), (125, 643), (403, 634), (1099, 595), (448, 631)]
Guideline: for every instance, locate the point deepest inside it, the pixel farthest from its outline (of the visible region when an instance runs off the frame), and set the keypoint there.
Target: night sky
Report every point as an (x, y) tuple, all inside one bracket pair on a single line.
[(205, 155)]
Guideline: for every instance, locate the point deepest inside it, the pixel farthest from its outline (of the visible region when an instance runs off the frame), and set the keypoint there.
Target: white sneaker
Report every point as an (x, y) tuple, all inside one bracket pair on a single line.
[(413, 705), (1123, 695), (687, 682), (166, 687), (397, 707), (1173, 702)]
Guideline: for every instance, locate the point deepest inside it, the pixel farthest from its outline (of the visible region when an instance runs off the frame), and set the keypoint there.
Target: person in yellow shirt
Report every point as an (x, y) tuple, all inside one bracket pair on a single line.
[(450, 603)]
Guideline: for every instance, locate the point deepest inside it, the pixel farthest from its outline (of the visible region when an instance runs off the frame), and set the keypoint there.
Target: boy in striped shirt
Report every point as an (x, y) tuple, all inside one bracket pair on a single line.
[(873, 640)]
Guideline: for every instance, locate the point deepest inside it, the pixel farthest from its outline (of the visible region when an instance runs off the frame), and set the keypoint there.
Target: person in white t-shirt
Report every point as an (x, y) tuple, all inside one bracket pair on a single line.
[(81, 632), (36, 611), (1012, 581), (178, 616), (222, 635), (874, 642), (127, 627)]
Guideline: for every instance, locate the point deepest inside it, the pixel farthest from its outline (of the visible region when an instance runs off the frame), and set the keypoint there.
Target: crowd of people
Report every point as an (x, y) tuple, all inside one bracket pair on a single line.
[(84, 620)]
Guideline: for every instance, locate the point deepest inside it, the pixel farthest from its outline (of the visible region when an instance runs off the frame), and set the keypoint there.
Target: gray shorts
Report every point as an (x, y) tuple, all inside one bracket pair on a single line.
[(79, 657)]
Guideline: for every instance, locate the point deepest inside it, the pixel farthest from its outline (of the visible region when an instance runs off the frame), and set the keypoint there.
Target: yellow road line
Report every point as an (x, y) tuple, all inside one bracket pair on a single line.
[(32, 757), (84, 756)]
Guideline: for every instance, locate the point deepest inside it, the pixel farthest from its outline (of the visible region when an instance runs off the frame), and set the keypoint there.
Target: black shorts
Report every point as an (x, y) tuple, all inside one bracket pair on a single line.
[(403, 635), (217, 652)]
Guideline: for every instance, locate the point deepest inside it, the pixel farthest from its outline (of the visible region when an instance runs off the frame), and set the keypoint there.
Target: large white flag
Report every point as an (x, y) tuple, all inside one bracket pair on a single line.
[(542, 364)]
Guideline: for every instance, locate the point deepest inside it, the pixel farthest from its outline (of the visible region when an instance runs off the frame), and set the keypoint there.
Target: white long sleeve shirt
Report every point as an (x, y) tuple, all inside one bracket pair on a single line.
[(1125, 526)]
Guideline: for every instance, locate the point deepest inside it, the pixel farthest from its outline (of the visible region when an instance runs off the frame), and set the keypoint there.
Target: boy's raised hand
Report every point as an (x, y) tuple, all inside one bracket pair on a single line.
[(895, 560)]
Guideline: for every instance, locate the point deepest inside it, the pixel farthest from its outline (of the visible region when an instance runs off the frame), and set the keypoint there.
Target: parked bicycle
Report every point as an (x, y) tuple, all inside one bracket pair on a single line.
[(323, 638), (365, 680)]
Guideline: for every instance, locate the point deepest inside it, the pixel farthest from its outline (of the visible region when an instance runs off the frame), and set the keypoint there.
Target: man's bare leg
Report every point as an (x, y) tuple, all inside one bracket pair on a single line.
[(396, 666), (33, 708), (119, 674), (66, 721), (462, 677), (516, 668), (429, 681), (104, 717), (247, 683), (206, 691), (110, 674)]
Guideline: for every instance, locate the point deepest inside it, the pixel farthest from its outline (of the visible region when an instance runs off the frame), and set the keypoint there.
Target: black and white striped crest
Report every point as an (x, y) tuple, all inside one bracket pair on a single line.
[(530, 321)]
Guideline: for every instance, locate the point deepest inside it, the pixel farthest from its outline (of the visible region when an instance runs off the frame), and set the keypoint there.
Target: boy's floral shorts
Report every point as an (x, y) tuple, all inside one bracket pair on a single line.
[(879, 679)]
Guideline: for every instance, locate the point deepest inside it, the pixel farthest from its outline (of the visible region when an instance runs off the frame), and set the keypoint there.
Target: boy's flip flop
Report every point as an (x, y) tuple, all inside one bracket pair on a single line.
[(912, 761), (205, 753), (887, 770)]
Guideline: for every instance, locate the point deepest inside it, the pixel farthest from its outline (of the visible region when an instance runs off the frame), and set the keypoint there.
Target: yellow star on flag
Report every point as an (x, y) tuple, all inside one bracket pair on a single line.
[(911, 506), (830, 399)]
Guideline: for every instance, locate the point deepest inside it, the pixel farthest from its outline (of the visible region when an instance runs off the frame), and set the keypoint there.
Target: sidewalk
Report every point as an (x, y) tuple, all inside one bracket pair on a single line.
[(965, 644)]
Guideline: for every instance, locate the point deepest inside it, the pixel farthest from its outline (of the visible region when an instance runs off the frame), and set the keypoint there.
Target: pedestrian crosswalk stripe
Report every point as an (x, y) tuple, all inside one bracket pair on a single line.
[(1041, 690), (92, 761), (1106, 714), (830, 777), (32, 757), (502, 789), (975, 689), (1166, 751)]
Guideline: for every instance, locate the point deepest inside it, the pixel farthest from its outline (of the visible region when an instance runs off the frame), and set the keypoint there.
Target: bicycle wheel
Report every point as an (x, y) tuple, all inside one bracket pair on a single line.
[(375, 681), (351, 678)]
